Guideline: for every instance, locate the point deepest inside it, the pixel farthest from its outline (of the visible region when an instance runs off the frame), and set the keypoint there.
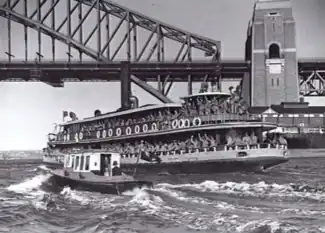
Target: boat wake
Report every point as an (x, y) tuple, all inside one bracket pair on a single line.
[(209, 206)]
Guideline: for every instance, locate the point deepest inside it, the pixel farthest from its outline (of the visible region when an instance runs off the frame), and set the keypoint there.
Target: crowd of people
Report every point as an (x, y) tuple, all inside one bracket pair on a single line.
[(192, 107), (194, 143), (150, 150)]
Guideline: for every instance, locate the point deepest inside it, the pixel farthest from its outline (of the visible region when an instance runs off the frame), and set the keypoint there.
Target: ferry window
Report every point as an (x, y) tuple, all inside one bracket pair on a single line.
[(277, 82), (272, 82), (72, 160), (87, 163), (77, 163), (81, 162)]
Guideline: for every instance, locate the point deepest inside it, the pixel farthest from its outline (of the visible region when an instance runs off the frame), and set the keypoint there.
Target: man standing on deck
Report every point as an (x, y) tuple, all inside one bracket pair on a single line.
[(145, 155), (116, 171)]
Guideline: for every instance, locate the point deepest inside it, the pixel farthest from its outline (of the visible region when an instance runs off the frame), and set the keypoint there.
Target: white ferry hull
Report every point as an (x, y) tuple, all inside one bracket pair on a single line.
[(208, 162), (200, 162)]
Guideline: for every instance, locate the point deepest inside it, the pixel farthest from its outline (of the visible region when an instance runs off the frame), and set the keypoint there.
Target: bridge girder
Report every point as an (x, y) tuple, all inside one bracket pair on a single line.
[(89, 42), (312, 83)]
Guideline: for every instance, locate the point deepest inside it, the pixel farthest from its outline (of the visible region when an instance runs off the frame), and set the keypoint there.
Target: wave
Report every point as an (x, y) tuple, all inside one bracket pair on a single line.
[(29, 186), (210, 205)]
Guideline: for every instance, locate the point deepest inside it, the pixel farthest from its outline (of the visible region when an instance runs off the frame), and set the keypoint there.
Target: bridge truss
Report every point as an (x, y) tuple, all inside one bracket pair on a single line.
[(312, 77), (105, 32)]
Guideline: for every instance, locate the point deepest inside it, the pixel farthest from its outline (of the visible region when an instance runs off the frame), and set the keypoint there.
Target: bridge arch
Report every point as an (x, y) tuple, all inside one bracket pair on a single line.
[(188, 41)]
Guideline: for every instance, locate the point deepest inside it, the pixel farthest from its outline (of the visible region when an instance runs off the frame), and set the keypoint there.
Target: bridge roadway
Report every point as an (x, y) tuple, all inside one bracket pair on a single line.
[(52, 72)]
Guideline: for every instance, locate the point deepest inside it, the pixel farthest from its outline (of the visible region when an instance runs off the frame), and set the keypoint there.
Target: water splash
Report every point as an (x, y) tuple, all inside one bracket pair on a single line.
[(30, 186)]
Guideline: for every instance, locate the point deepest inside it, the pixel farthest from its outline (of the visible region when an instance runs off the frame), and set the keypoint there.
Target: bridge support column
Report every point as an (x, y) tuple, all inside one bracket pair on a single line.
[(125, 85), (274, 71), (189, 85)]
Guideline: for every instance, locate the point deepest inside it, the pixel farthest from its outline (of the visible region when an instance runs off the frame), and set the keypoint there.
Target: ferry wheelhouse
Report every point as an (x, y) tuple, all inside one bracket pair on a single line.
[(209, 132), (97, 171)]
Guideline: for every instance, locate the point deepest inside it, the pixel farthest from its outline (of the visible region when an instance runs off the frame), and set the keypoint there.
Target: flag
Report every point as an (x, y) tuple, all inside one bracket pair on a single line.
[(64, 114)]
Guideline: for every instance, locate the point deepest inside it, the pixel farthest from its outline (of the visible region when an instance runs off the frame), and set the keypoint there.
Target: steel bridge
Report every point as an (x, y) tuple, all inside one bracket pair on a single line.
[(98, 34)]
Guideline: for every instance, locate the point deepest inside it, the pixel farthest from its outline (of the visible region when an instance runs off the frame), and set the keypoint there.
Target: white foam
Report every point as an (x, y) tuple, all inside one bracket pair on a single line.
[(274, 225), (246, 189), (43, 167), (29, 186), (75, 195)]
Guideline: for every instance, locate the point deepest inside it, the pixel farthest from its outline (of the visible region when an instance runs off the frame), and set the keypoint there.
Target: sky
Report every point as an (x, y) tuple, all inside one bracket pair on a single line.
[(28, 110)]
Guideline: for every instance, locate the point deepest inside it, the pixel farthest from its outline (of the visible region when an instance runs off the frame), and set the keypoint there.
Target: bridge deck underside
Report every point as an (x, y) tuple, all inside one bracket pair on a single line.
[(147, 72), (106, 32)]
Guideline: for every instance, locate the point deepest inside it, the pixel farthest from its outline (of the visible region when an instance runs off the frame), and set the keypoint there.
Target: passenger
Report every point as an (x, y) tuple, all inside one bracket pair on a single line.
[(213, 142), (200, 107), (238, 141), (171, 146), (194, 143), (182, 145), (282, 141), (230, 141), (106, 167), (116, 171), (204, 141), (275, 139), (247, 139), (253, 139)]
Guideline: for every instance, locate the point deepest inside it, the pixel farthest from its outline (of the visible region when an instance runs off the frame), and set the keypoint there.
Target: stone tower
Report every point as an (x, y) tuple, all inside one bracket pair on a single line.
[(274, 68)]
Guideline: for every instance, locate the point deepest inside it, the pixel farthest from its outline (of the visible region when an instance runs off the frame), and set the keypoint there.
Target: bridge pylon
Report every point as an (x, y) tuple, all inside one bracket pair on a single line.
[(274, 64)]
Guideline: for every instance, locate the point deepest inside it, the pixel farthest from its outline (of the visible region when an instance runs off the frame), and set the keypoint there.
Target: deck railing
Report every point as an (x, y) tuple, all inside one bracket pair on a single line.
[(237, 148)]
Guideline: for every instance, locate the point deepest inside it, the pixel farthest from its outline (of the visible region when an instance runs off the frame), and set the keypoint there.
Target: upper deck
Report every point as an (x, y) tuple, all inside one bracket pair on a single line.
[(124, 113), (207, 108)]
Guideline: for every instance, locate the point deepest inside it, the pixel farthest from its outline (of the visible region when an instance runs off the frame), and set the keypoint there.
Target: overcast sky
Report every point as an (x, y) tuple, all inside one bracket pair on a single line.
[(28, 110)]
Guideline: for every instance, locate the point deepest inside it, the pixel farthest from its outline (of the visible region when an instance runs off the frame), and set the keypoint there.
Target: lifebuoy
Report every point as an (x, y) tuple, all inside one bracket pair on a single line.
[(98, 134), (175, 124), (104, 133), (154, 127), (110, 133), (145, 128), (181, 123), (81, 136), (187, 123), (118, 132), (197, 121), (128, 131), (137, 129)]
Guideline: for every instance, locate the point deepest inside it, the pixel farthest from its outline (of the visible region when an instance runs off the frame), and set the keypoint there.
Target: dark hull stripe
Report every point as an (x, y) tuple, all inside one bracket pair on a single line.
[(204, 167), (107, 188)]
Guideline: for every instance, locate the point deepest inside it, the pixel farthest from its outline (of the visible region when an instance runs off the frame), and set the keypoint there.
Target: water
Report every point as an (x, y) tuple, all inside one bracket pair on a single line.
[(288, 198)]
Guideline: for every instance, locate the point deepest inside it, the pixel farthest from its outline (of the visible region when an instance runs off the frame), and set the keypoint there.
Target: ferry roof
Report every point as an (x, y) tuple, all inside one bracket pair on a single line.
[(121, 113), (214, 93)]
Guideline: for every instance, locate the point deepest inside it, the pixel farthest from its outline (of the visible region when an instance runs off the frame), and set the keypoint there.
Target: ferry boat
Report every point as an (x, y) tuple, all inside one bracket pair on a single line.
[(209, 132), (97, 171)]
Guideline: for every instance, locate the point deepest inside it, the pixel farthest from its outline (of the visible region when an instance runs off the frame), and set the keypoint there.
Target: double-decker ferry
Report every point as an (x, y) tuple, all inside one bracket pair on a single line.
[(208, 132)]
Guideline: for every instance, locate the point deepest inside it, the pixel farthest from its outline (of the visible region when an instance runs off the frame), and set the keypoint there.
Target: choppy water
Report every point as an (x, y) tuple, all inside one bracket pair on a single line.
[(288, 198)]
